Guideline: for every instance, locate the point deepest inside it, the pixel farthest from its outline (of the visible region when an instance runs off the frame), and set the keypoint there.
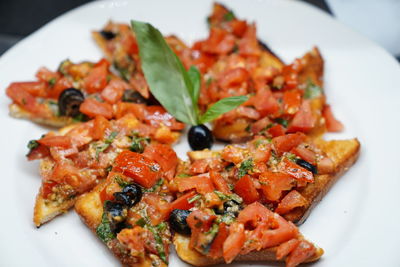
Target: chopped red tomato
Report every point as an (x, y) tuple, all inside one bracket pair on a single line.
[(201, 183), (276, 130), (141, 169), (301, 253), (156, 115), (61, 84), (303, 120), (238, 27), (285, 248), (113, 92), (273, 183), (165, 156), (55, 141), (295, 171), (47, 188), (91, 107), (234, 242), (219, 182), (199, 166), (134, 239), (260, 125), (292, 101), (139, 84), (39, 152), (286, 142), (21, 97), (46, 75), (233, 77), (96, 80), (248, 45), (199, 222), (182, 202), (325, 165), (107, 193), (292, 200), (305, 154), (246, 189), (100, 124), (265, 102), (332, 124), (158, 208), (216, 250), (219, 42)]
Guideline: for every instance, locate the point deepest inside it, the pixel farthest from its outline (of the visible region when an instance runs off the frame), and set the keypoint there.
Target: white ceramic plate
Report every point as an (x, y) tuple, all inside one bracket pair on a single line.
[(356, 223)]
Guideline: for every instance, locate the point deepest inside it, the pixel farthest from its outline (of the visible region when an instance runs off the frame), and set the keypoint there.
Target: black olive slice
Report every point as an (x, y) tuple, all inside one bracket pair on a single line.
[(307, 165), (134, 192), (108, 35), (69, 102), (178, 222)]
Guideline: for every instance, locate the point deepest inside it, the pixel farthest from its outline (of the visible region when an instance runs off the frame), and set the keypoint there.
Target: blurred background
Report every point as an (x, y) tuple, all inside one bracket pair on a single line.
[(378, 20)]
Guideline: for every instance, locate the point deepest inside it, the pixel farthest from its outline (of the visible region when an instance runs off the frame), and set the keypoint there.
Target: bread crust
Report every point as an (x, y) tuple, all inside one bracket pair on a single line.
[(193, 257)]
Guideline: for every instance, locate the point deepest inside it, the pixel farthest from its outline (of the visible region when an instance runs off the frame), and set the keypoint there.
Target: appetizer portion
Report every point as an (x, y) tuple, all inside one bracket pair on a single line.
[(289, 95), (289, 173), (78, 157), (128, 211), (82, 91)]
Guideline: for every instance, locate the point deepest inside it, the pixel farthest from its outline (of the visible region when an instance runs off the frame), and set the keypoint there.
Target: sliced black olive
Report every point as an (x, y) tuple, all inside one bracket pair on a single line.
[(134, 192), (116, 211), (108, 35), (123, 198), (118, 227), (69, 102), (133, 96), (307, 165), (178, 222), (200, 137)]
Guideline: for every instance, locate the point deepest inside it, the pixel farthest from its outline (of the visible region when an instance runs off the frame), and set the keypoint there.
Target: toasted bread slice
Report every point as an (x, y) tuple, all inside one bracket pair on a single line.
[(89, 208), (344, 154), (193, 257)]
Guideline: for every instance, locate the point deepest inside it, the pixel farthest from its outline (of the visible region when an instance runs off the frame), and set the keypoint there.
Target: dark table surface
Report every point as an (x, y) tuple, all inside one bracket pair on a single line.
[(19, 18)]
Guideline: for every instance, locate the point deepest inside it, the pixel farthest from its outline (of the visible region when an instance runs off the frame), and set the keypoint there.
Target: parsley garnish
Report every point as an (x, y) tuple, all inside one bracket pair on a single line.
[(312, 90), (104, 231), (106, 144), (282, 122), (229, 16), (138, 143), (245, 167)]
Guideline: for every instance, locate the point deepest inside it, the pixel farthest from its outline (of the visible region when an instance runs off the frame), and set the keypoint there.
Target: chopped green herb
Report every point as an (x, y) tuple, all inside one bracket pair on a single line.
[(227, 218), (224, 197), (312, 91), (121, 182), (52, 81), (108, 169), (80, 117), (159, 244), (229, 16), (107, 143), (291, 156), (183, 175), (248, 128), (154, 188), (282, 122), (141, 222), (63, 67), (245, 167), (139, 143), (104, 231), (32, 145), (193, 199)]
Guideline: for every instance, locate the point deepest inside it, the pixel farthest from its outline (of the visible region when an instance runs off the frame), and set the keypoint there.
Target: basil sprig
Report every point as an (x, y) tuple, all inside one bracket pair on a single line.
[(175, 88)]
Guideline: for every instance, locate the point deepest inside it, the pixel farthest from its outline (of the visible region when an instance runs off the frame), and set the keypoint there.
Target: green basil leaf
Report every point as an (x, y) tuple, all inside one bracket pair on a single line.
[(164, 72), (194, 75), (222, 106)]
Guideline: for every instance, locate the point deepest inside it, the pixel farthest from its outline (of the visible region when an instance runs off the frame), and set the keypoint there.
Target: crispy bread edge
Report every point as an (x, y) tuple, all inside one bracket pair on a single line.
[(344, 154), (195, 258)]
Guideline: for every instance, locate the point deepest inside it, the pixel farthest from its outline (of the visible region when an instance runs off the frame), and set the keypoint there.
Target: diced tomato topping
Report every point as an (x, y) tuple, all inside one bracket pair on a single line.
[(246, 189), (199, 166), (273, 183), (305, 154), (123, 108), (233, 77), (109, 189), (248, 45), (291, 101), (265, 102), (182, 203), (139, 84), (141, 169), (260, 125), (91, 107), (61, 84), (303, 120), (21, 97), (238, 27), (134, 239), (113, 92), (292, 200), (276, 130), (232, 154), (39, 152), (55, 141), (201, 183), (219, 182), (165, 156), (234, 242), (100, 124), (96, 79), (217, 245), (332, 124), (158, 209), (286, 142), (156, 115), (285, 248), (199, 222), (295, 171), (219, 42), (47, 188), (325, 165), (46, 75), (301, 253), (37, 89)]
